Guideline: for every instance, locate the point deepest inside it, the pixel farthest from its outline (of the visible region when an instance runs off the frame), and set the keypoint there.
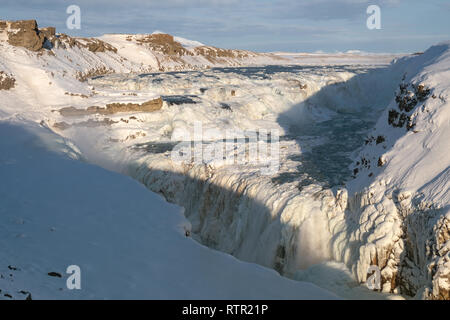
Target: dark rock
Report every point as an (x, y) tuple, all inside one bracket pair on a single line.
[(6, 81), (380, 139), (225, 106), (55, 274)]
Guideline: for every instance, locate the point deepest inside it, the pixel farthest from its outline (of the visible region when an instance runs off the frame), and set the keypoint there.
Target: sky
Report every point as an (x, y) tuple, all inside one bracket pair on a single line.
[(259, 25)]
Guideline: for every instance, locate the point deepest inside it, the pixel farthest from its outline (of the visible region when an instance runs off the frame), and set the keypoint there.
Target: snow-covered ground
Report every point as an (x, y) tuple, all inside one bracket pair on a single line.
[(363, 176), (58, 211)]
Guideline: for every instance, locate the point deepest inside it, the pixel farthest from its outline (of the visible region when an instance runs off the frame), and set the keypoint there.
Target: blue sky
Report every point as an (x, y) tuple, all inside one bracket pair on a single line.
[(261, 25)]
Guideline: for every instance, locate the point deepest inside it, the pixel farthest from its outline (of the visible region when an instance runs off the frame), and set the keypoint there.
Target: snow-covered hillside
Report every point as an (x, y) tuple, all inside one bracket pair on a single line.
[(56, 211), (310, 220), (400, 201)]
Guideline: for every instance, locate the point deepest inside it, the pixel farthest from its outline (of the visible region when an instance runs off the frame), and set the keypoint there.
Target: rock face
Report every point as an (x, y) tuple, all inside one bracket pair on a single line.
[(163, 43), (96, 45), (6, 81), (148, 106), (24, 33), (48, 32), (112, 108)]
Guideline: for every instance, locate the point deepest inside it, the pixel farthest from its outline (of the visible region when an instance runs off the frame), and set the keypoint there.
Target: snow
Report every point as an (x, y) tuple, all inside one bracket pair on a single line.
[(409, 193), (58, 211), (296, 222)]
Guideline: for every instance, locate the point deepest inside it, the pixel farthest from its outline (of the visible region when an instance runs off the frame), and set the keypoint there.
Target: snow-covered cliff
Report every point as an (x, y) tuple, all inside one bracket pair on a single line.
[(399, 204)]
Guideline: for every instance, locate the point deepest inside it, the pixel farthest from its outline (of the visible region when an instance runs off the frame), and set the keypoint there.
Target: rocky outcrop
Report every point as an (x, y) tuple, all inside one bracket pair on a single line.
[(407, 98), (6, 81), (24, 33), (96, 45), (112, 108), (48, 32), (163, 43), (64, 41)]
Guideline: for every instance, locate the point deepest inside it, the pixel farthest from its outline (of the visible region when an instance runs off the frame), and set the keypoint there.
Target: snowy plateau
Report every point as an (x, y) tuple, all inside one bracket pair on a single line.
[(87, 130)]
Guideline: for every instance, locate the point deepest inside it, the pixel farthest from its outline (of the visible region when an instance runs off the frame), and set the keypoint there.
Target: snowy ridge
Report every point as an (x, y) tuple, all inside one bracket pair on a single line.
[(403, 209), (167, 53)]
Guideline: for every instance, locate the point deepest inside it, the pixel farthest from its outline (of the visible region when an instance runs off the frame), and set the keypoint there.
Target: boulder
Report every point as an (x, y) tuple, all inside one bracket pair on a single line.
[(25, 33)]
